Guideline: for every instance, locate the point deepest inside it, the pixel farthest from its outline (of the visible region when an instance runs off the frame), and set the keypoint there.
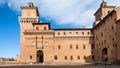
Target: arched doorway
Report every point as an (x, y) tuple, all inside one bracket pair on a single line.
[(40, 56), (104, 54)]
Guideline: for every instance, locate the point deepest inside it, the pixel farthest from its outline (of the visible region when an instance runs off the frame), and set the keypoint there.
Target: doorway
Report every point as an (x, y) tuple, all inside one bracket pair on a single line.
[(40, 56), (104, 54)]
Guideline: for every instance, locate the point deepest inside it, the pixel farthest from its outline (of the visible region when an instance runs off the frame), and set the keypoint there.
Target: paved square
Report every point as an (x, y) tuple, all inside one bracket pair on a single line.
[(39, 66)]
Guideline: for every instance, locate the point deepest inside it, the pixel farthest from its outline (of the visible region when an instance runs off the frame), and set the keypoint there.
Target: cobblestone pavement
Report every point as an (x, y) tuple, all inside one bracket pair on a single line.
[(47, 66)]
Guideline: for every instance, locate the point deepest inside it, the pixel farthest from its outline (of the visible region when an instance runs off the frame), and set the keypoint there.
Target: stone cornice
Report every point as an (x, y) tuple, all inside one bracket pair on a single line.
[(38, 32)]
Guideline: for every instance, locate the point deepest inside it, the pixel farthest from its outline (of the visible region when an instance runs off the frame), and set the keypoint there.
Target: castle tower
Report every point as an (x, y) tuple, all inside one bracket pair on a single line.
[(29, 16), (102, 12)]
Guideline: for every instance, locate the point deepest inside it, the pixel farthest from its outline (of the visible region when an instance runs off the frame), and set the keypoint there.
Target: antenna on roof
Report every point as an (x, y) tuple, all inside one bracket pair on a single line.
[(30, 4), (84, 27), (103, 1)]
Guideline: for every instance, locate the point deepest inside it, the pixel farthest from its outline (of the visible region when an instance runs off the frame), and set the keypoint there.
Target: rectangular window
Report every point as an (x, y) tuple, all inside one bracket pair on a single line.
[(104, 41), (59, 46), (55, 57), (109, 12), (92, 46), (58, 33), (71, 57), (30, 57), (84, 57), (82, 33), (77, 46), (70, 33), (45, 28), (76, 33), (64, 33), (93, 57), (84, 47), (71, 46), (78, 57), (112, 39), (65, 57), (101, 43), (37, 28), (88, 33)]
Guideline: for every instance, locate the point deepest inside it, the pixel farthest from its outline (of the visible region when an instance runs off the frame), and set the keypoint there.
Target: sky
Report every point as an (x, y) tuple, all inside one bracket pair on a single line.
[(60, 14)]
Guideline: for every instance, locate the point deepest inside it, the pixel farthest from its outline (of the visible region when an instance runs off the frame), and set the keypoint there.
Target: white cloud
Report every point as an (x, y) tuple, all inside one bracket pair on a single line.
[(65, 12), (74, 12), (2, 2), (113, 2)]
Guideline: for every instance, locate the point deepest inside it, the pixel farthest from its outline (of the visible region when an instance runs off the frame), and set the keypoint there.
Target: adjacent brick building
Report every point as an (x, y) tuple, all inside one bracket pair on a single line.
[(118, 39), (106, 47)]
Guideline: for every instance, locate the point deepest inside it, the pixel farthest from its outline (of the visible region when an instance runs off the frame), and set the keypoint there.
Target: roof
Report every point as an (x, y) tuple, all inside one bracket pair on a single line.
[(104, 7), (61, 28), (41, 23), (72, 29), (104, 18)]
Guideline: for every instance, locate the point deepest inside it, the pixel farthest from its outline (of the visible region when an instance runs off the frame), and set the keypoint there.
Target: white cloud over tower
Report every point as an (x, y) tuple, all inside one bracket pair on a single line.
[(74, 12)]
